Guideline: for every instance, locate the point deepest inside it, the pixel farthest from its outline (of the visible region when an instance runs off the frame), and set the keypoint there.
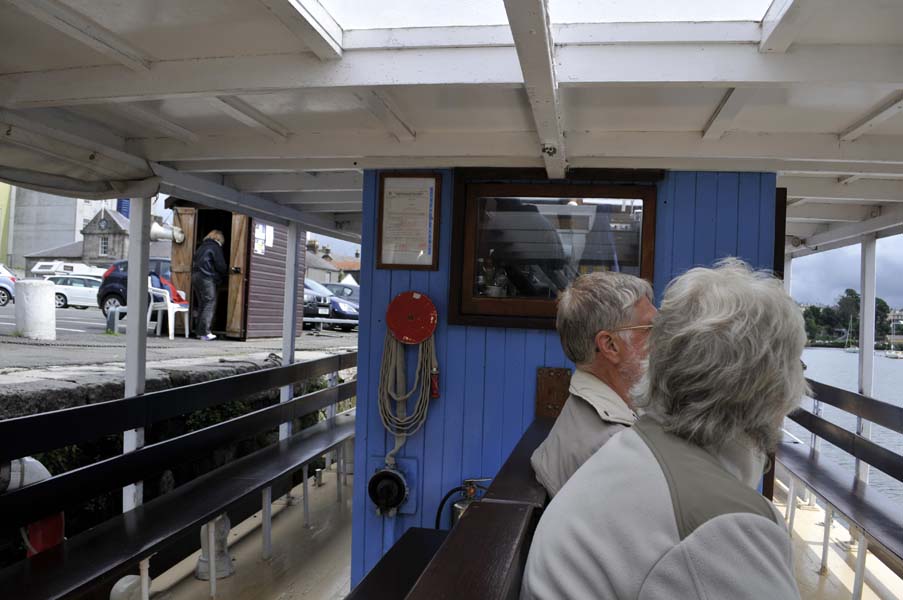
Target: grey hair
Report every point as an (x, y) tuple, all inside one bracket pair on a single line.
[(595, 302), (724, 356)]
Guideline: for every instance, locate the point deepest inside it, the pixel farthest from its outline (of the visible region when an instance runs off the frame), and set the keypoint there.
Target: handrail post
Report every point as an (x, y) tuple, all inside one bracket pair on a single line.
[(136, 332), (289, 322), (866, 339)]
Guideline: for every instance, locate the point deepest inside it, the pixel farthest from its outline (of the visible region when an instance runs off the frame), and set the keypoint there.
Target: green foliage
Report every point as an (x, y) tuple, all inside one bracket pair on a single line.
[(828, 324)]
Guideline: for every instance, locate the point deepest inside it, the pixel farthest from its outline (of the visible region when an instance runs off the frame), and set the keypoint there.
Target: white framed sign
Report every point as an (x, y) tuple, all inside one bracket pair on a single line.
[(408, 221)]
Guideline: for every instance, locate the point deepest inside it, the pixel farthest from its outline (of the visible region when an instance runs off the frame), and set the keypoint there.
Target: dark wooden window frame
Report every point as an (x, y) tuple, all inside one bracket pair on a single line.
[(526, 313), (437, 208)]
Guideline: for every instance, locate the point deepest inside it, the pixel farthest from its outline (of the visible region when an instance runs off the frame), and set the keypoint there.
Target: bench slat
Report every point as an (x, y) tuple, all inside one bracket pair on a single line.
[(398, 570), (879, 517), (482, 557), (36, 501), (77, 564)]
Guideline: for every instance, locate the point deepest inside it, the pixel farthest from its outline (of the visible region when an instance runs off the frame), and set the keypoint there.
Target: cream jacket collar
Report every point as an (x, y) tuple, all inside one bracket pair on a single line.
[(602, 398), (741, 459)]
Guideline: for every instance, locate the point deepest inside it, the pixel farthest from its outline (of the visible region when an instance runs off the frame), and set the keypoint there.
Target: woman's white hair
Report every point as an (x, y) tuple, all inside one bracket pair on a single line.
[(594, 302), (724, 356)]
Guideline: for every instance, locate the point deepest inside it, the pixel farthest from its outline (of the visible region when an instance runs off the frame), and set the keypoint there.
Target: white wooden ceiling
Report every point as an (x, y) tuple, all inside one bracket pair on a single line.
[(286, 101)]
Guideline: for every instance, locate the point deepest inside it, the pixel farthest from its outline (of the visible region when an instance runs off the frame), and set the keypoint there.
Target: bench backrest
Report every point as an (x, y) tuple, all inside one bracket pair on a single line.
[(24, 436)]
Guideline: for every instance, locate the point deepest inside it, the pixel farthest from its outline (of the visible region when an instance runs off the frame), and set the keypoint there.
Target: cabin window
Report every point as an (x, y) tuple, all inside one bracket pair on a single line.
[(104, 245), (524, 243)]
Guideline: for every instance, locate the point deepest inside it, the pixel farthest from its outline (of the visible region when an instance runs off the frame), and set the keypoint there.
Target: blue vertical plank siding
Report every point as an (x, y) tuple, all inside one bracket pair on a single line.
[(664, 236), (726, 223), (705, 218), (748, 217), (488, 375), (684, 223)]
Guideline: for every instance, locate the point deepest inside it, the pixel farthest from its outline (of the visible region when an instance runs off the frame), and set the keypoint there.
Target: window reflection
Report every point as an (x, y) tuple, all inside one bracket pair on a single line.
[(534, 247)]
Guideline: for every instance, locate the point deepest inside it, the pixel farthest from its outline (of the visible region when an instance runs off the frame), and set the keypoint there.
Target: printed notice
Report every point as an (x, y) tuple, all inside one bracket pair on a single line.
[(408, 206)]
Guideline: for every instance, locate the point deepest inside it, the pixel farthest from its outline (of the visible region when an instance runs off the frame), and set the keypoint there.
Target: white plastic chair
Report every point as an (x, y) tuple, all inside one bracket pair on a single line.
[(165, 306)]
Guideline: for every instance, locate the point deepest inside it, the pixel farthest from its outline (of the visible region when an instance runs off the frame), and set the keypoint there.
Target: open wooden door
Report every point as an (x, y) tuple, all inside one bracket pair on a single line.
[(238, 282), (182, 254)]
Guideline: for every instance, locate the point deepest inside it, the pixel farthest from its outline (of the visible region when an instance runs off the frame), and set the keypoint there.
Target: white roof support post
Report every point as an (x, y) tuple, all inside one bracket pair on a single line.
[(383, 107), (788, 265), (79, 27), (290, 314), (888, 110), (529, 21), (311, 23), (136, 330), (781, 24), (866, 338), (733, 102), (158, 122), (244, 113)]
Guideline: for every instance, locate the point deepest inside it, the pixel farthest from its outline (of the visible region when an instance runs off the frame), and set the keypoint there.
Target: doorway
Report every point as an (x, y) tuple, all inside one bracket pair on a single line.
[(207, 221)]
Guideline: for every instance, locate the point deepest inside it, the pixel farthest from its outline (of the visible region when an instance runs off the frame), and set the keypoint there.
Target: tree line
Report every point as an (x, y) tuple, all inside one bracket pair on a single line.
[(825, 323)]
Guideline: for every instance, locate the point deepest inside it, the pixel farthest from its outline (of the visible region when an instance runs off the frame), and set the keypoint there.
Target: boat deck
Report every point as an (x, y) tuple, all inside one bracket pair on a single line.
[(314, 563), (837, 584), (307, 563)]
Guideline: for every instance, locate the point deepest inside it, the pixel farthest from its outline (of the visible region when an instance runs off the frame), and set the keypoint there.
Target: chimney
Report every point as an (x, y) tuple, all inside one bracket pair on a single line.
[(312, 245), (357, 253), (326, 250)]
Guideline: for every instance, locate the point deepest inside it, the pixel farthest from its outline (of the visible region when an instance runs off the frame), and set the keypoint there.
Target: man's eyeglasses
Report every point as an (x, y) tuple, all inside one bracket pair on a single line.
[(631, 328)]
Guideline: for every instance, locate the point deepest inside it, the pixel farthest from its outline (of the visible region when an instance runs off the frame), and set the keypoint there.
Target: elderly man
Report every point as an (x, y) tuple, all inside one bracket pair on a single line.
[(603, 320), (669, 509)]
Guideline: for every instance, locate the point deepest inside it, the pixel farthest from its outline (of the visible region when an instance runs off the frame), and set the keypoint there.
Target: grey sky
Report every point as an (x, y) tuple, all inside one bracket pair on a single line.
[(337, 247), (821, 278)]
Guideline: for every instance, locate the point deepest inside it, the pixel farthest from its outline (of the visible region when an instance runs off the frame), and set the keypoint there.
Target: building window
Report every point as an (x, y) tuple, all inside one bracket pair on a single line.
[(104, 245), (521, 244)]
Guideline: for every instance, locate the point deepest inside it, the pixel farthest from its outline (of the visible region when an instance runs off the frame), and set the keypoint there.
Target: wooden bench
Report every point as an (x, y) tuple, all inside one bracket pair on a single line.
[(397, 571), (108, 551), (879, 519)]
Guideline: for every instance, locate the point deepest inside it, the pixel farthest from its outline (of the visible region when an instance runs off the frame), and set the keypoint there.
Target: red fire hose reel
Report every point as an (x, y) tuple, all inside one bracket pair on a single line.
[(411, 319)]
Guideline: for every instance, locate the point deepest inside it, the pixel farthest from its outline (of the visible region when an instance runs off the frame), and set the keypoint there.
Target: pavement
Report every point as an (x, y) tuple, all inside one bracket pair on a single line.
[(86, 365)]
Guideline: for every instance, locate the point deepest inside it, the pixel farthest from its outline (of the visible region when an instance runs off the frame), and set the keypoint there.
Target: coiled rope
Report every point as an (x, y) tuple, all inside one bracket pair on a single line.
[(392, 390)]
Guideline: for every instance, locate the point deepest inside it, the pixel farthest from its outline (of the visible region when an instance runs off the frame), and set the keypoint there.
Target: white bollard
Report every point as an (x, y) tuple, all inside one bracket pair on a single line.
[(35, 309), (222, 560)]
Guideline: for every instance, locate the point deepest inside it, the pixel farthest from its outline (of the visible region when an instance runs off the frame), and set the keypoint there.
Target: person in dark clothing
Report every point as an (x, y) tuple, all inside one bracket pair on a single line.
[(208, 270)]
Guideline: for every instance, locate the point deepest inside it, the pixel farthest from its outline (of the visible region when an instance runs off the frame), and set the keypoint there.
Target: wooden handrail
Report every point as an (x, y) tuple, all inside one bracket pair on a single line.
[(878, 412), (23, 436)]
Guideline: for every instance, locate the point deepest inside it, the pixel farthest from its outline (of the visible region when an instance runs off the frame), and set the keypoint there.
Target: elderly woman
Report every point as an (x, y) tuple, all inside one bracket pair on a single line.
[(669, 508)]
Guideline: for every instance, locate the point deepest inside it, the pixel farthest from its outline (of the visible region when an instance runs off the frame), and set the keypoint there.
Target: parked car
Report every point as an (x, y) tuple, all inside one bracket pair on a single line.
[(114, 289), (5, 272), (345, 291), (343, 309), (75, 290), (317, 302), (7, 289)]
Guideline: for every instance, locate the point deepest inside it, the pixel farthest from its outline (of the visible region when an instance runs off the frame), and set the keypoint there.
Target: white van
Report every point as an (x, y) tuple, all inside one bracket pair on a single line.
[(58, 267)]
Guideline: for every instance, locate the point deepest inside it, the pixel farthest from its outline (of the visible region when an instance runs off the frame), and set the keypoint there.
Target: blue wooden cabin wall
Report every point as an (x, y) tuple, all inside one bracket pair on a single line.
[(488, 375)]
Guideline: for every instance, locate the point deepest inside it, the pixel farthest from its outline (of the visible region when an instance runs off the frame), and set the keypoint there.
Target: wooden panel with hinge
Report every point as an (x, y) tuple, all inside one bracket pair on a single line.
[(238, 281), (182, 254), (552, 386)]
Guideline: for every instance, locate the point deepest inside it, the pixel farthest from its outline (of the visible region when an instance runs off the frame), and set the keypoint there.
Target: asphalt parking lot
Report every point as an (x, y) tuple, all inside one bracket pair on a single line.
[(68, 320), (82, 340)]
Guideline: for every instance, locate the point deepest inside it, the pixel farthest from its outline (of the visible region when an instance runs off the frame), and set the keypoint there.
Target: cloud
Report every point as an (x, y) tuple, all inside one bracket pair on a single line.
[(821, 278)]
